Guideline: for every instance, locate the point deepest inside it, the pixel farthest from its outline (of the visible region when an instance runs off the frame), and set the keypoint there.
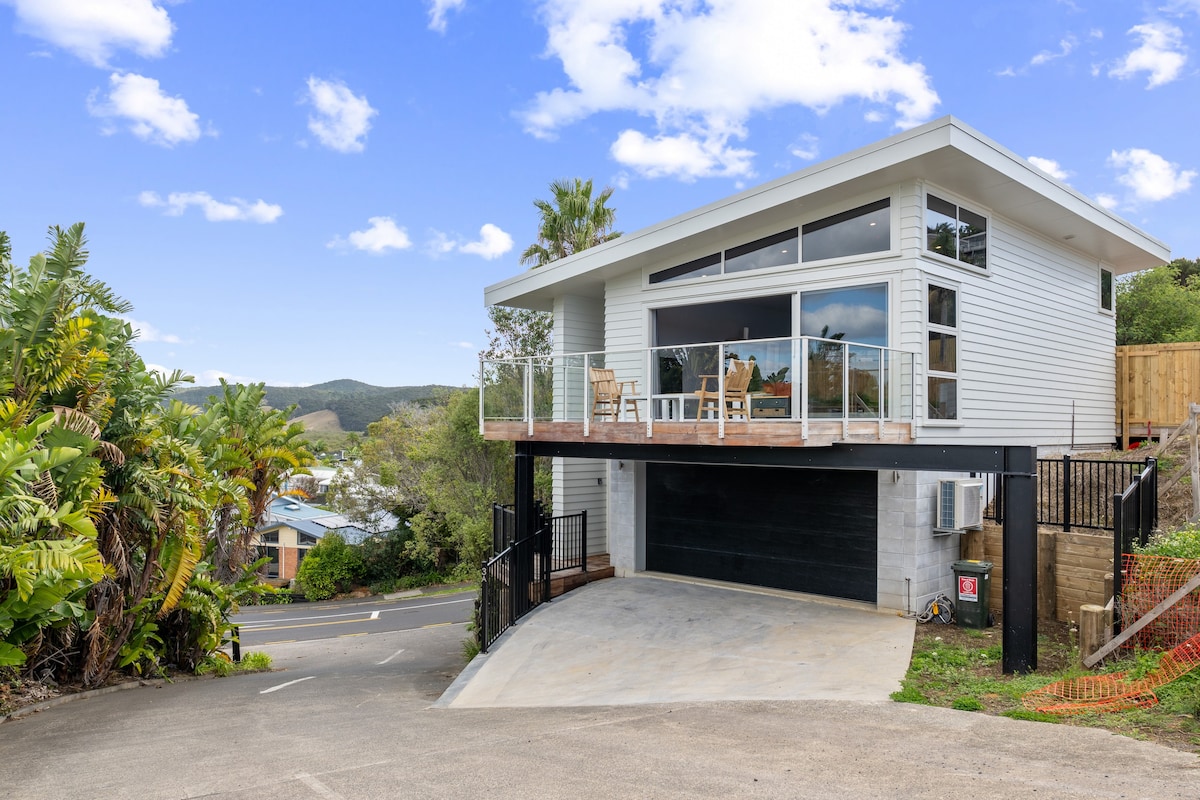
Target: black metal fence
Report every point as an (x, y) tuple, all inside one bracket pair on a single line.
[(568, 535), (1078, 492), (1135, 515), (515, 581)]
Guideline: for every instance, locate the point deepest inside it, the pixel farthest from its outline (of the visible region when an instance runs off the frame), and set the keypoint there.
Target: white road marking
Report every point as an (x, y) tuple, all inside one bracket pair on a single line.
[(389, 658), (285, 685), (252, 625), (318, 787)]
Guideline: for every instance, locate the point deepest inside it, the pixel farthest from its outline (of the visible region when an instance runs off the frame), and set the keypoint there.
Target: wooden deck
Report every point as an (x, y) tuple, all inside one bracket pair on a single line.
[(598, 568), (773, 433)]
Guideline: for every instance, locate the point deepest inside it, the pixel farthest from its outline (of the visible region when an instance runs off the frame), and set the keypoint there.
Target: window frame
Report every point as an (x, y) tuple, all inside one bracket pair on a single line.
[(957, 202), (1111, 308), (955, 331), (894, 238)]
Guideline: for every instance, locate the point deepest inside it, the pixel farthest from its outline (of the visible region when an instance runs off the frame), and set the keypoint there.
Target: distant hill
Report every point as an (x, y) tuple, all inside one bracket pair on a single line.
[(356, 404)]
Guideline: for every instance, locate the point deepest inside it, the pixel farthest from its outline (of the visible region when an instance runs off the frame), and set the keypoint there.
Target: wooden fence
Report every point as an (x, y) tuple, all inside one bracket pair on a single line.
[(1155, 383)]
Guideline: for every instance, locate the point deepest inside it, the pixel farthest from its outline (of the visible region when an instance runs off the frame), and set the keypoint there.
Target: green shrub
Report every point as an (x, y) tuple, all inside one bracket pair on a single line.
[(385, 556), (218, 664), (255, 662), (910, 694), (1181, 543), (330, 567)]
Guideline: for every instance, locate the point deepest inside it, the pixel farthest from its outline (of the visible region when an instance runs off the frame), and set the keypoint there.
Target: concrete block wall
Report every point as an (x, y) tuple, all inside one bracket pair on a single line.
[(626, 549), (914, 564)]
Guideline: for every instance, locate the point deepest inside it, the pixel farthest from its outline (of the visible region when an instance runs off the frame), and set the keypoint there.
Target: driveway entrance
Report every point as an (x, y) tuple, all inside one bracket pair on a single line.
[(658, 640)]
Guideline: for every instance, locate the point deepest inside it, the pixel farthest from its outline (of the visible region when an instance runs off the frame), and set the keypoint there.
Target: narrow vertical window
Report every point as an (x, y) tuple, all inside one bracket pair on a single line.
[(1106, 289), (942, 353)]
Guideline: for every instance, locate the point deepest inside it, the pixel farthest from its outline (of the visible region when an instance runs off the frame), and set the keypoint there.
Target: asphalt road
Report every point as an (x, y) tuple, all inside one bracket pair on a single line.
[(347, 717), (300, 622)]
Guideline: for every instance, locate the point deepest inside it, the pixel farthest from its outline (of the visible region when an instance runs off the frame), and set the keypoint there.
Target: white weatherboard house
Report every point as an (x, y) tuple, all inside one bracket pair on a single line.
[(928, 296)]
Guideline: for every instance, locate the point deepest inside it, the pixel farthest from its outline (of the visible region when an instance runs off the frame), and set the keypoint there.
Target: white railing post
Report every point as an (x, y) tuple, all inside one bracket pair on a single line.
[(529, 394), (805, 389), (649, 384), (587, 387), (845, 390), (721, 391), (481, 397)]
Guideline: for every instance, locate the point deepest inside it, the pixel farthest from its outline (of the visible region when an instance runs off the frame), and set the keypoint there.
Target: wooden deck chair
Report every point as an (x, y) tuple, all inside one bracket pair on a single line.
[(737, 381), (608, 395)]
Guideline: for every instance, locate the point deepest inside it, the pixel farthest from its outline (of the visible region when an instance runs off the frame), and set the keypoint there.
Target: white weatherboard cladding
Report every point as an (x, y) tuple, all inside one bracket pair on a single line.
[(579, 483), (1031, 343)]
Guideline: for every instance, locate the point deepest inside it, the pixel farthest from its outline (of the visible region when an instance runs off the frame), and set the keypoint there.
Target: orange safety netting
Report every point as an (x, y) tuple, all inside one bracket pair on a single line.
[(1148, 581), (1115, 692)]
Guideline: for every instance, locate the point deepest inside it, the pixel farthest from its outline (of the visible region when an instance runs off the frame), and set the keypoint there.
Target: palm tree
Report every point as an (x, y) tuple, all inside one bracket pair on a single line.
[(570, 222)]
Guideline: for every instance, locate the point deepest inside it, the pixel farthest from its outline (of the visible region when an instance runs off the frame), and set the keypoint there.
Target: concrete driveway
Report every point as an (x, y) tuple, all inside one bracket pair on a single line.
[(658, 640)]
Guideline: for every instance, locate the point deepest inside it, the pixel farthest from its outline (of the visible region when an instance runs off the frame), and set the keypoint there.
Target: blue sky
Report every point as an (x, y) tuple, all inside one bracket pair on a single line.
[(300, 192)]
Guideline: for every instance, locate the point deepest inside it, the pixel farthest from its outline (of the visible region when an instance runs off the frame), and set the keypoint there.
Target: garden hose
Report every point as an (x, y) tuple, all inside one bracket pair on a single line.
[(939, 609)]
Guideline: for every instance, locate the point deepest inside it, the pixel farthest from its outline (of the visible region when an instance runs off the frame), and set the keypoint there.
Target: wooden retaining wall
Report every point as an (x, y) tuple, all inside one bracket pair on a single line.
[(1155, 383), (1072, 568)]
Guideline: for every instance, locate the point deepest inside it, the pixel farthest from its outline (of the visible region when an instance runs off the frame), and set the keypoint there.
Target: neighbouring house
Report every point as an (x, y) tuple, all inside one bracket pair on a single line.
[(926, 307), (292, 528), (286, 544)]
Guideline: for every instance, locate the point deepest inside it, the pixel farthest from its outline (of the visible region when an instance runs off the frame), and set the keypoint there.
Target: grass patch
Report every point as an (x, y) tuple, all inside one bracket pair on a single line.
[(960, 668), (221, 665)]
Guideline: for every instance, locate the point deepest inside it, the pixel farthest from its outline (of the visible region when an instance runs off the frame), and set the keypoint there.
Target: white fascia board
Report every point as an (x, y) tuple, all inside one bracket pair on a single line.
[(902, 157)]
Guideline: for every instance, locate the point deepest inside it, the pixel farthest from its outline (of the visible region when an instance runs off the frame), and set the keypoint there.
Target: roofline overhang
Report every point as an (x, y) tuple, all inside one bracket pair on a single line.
[(1080, 223)]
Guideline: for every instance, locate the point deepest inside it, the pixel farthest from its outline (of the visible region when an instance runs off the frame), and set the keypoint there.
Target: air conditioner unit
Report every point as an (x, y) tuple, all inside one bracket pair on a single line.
[(960, 504)]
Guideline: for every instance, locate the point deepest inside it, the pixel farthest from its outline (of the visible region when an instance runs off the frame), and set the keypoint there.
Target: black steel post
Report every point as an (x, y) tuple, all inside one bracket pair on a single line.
[(484, 610), (1067, 500), (237, 644), (1020, 560), (583, 540), (1149, 506), (523, 491), (1118, 557)]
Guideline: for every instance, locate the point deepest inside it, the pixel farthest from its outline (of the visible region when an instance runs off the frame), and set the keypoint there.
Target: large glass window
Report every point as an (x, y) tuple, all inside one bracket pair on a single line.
[(773, 251), (851, 314), (708, 265), (955, 232), (866, 229), (942, 352)]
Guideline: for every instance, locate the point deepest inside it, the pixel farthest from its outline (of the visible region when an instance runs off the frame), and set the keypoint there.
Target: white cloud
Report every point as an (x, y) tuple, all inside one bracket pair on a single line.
[(806, 147), (382, 236), (1050, 167), (148, 333), (1161, 54), (438, 10), (464, 345), (1107, 201), (1149, 176), (683, 156), (708, 68), (212, 377), (234, 210), (1065, 46), (1182, 7), (94, 29), (152, 116), (492, 243), (342, 118)]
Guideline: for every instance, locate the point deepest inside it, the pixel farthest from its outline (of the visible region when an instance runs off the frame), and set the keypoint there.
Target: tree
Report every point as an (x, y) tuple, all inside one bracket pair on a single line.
[(1154, 307), (571, 221), (254, 448)]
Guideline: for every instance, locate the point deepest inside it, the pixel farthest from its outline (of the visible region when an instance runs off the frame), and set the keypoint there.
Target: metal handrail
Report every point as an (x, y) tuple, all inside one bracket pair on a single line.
[(896, 402)]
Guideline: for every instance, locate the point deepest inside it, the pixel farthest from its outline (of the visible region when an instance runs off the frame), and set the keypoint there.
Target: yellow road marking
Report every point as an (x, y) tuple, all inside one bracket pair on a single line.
[(437, 624), (281, 641), (348, 635)]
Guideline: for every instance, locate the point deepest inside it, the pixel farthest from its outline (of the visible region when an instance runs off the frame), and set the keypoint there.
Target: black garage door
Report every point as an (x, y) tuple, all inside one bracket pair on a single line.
[(799, 529)]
